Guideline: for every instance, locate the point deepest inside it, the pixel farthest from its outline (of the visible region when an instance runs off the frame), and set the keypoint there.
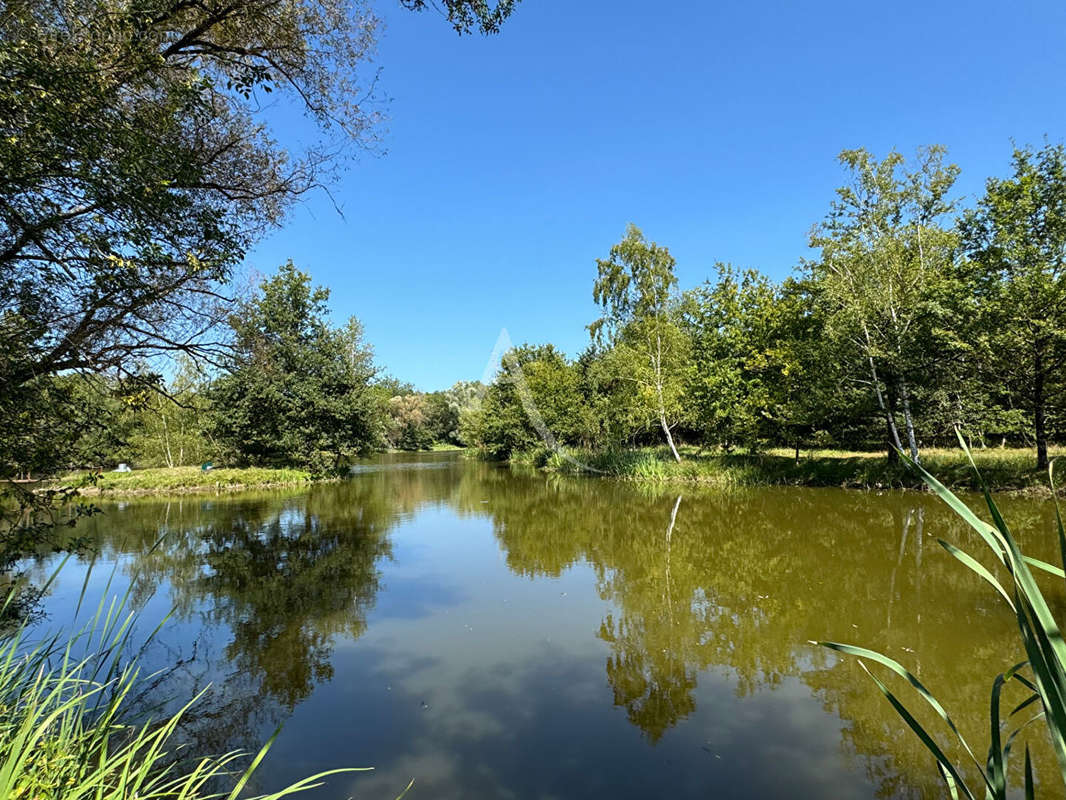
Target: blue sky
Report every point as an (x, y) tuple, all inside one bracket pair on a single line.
[(513, 162)]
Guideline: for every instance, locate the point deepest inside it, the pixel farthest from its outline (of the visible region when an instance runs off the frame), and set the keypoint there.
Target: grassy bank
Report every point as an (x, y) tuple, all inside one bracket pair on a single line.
[(1004, 469), (177, 480)]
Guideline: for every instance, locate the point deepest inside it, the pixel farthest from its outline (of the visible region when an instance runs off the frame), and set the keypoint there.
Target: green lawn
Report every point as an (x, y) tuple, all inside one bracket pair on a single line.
[(189, 479)]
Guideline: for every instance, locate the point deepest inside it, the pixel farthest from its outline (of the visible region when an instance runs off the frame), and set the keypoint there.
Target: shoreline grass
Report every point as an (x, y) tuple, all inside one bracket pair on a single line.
[(188, 480), (70, 728), (193, 480), (1005, 469)]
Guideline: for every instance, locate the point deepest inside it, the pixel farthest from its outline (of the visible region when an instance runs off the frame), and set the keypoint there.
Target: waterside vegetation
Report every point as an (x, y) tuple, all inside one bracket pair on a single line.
[(912, 318), (178, 480), (1004, 469), (71, 726)]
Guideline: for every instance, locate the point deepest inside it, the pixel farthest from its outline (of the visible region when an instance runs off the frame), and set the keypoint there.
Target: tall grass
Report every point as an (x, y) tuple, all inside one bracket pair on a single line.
[(69, 729), (1042, 674), (1002, 469)]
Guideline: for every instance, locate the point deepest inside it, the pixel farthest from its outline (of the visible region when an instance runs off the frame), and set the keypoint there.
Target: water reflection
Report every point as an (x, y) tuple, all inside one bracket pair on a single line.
[(743, 580), (636, 639)]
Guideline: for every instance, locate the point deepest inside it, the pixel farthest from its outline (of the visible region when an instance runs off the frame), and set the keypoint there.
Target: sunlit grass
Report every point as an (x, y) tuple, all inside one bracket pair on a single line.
[(183, 479), (1003, 468)]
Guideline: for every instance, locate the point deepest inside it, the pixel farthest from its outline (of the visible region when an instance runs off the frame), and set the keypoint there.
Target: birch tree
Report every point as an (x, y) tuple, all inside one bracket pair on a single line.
[(885, 255), (637, 290)]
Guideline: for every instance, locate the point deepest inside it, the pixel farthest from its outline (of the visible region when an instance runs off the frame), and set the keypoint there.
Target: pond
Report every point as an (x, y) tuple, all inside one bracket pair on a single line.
[(497, 634)]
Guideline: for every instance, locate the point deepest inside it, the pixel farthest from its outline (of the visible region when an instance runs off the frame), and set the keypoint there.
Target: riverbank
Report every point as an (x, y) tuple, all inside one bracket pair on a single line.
[(185, 480), (1006, 470)]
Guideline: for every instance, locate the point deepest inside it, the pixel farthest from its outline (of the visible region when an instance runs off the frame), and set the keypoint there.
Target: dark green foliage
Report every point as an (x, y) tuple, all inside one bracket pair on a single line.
[(1017, 239), (536, 398), (442, 418), (297, 390), (135, 173), (755, 346)]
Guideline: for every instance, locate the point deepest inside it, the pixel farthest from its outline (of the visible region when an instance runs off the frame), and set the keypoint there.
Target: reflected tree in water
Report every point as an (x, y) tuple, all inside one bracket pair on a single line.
[(729, 582), (738, 582), (648, 669)]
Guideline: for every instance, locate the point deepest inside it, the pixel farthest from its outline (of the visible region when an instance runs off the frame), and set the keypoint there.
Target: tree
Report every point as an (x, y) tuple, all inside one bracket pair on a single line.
[(297, 391), (407, 424), (447, 408), (136, 167), (884, 255), (1017, 239), (535, 399), (732, 326), (169, 425), (636, 287), (134, 171)]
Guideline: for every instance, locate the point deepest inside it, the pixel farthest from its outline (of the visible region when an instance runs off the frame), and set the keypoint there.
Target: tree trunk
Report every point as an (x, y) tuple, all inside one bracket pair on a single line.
[(894, 444), (166, 442), (1038, 409), (659, 394), (669, 438), (908, 420)]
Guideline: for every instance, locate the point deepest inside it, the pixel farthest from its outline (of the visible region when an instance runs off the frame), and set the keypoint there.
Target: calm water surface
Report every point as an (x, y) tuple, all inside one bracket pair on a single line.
[(501, 635)]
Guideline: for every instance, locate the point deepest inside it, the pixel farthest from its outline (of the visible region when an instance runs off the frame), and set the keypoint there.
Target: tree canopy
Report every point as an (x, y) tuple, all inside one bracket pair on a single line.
[(296, 389)]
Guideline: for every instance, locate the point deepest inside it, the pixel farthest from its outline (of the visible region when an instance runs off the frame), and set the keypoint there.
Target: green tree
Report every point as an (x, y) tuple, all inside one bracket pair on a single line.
[(170, 424), (636, 288), (884, 257), (763, 369), (137, 167), (297, 390), (1017, 239), (43, 422), (809, 394), (535, 400), (732, 326), (407, 422)]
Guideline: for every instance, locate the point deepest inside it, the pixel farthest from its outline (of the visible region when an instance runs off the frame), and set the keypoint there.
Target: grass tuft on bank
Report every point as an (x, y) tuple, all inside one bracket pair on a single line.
[(192, 479), (1003, 469)]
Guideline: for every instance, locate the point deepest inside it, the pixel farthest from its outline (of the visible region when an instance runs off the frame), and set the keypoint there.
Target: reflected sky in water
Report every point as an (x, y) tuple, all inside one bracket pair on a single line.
[(495, 634)]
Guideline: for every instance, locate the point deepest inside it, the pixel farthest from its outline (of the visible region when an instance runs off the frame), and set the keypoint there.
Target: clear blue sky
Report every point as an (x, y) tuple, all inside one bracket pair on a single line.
[(513, 162)]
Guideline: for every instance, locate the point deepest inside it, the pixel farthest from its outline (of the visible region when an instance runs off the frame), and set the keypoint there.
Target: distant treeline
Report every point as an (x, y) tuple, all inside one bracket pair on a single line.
[(293, 390), (915, 317)]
